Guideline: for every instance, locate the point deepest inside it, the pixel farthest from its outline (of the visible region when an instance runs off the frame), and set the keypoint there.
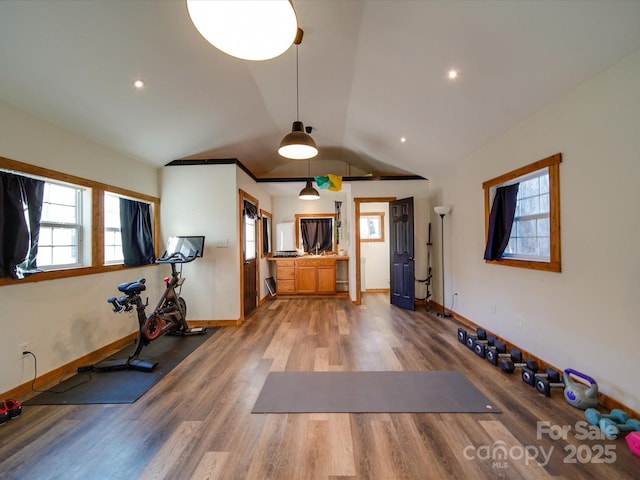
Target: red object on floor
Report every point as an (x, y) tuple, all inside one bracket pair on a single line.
[(633, 439), (13, 407), (4, 414)]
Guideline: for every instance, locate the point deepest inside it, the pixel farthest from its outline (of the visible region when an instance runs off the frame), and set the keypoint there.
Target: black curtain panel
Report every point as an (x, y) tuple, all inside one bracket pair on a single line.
[(250, 210), (265, 235), (33, 191), (137, 233), (500, 221), (317, 231), (18, 195)]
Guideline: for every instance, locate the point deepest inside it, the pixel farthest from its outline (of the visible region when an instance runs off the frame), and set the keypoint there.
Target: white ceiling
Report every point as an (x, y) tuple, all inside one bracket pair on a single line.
[(370, 72)]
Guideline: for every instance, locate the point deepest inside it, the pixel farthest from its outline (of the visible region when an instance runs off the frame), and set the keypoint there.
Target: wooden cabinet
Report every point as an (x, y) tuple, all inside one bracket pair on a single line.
[(326, 276), (316, 275), (306, 275), (285, 276)]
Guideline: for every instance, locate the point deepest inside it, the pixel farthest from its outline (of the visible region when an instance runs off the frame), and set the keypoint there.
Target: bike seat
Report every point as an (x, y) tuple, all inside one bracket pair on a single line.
[(131, 288)]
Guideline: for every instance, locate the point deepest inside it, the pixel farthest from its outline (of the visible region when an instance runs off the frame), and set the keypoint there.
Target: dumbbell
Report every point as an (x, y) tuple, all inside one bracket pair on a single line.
[(462, 335), (593, 416), (612, 423), (612, 429), (468, 339), (530, 377), (480, 346), (633, 440), (508, 365), (494, 353), (545, 384)]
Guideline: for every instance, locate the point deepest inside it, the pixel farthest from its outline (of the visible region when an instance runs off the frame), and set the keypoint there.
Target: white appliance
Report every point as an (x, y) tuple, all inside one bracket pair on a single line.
[(285, 236)]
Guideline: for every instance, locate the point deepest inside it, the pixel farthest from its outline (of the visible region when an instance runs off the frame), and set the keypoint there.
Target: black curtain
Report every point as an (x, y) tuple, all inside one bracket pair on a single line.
[(250, 210), (18, 237), (317, 231), (265, 235), (137, 233), (500, 221)]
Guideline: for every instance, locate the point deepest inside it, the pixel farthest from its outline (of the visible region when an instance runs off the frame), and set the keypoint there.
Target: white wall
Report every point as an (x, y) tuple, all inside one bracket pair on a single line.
[(374, 256), (587, 316), (203, 200), (64, 319)]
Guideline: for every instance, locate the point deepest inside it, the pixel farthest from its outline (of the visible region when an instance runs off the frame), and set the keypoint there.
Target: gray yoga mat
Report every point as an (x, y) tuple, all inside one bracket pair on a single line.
[(371, 392)]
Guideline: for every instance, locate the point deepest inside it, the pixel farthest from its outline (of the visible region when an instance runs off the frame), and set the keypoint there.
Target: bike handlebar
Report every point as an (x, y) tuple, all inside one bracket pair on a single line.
[(177, 257)]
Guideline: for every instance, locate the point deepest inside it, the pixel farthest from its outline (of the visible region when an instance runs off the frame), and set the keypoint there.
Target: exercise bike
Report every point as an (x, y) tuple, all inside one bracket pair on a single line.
[(168, 316)]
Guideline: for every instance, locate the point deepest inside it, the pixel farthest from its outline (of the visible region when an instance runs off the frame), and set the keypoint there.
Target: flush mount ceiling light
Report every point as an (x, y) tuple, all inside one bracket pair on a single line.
[(298, 145), (308, 192), (250, 29)]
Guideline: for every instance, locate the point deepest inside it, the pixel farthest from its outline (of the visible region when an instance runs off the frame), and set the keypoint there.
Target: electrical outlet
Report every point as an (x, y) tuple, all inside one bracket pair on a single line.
[(24, 347)]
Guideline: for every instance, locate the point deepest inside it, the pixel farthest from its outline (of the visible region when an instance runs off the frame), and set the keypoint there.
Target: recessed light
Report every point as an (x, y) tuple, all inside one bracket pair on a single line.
[(138, 83), (453, 74), (403, 139)]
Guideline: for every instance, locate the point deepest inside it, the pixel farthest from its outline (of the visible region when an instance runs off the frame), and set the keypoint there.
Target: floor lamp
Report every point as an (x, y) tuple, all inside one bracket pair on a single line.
[(442, 211)]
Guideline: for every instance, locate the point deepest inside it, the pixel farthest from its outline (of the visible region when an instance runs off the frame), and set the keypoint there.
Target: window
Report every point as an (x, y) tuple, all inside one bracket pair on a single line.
[(266, 232), (112, 231), (372, 227), (249, 238), (534, 239), (60, 240), (72, 223), (314, 232), (529, 238)]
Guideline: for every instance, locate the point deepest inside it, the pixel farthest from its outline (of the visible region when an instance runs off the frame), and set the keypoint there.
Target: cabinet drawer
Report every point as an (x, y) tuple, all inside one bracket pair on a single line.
[(285, 263), (316, 262), (285, 273), (285, 286)]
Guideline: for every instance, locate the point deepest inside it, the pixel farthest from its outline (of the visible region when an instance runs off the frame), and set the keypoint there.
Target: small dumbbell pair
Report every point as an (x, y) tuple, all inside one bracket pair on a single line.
[(613, 423), (478, 342)]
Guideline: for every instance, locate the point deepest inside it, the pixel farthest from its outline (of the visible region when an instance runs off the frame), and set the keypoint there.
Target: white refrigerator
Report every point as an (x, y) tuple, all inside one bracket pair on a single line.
[(285, 237)]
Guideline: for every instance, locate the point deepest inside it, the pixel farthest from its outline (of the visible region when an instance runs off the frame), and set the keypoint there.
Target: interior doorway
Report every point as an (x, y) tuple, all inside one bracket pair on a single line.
[(249, 270), (358, 246)]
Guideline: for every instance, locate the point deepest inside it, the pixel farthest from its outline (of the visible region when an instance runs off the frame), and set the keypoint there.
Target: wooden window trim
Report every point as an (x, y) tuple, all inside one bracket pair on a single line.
[(553, 164), (97, 217), (300, 216), (263, 214)]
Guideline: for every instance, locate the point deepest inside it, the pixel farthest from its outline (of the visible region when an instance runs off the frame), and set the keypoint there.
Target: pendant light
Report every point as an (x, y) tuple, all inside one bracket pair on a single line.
[(298, 145), (248, 29), (308, 192)]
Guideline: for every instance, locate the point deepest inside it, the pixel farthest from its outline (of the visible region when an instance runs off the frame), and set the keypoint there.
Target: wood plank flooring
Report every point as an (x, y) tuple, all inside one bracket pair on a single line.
[(196, 423)]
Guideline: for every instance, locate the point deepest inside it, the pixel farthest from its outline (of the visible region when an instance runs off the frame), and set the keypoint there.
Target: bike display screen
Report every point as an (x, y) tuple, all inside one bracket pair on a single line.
[(190, 247)]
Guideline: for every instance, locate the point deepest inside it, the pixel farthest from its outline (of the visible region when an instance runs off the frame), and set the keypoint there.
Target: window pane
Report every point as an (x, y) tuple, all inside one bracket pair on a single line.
[(529, 188), (60, 204), (64, 255), (543, 227), (112, 231), (544, 203)]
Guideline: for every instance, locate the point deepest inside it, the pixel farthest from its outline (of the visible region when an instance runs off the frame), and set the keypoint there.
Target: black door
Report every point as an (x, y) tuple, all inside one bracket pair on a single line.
[(403, 289)]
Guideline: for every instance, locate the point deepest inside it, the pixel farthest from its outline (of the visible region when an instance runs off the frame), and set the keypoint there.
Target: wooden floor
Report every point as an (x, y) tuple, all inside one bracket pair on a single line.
[(196, 423)]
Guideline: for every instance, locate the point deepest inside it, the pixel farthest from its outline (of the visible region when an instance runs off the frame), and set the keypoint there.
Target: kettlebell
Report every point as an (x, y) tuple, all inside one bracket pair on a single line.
[(578, 394)]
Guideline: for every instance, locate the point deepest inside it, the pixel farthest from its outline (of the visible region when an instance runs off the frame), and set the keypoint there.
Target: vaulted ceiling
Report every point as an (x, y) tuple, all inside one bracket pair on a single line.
[(371, 72)]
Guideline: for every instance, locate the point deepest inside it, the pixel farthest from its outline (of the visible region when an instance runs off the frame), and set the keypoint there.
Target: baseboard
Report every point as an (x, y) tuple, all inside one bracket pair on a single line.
[(53, 377), (376, 290), (49, 379), (607, 402), (213, 323)]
